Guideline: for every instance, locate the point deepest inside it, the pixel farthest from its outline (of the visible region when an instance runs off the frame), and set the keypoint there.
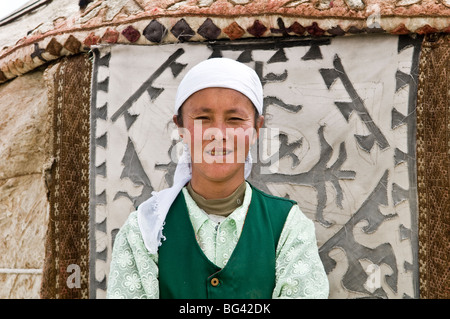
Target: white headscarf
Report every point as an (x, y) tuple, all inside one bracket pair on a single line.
[(221, 73), (216, 72)]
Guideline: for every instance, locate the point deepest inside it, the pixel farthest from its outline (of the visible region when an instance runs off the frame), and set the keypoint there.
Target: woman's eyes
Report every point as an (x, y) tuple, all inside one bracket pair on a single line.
[(205, 118)]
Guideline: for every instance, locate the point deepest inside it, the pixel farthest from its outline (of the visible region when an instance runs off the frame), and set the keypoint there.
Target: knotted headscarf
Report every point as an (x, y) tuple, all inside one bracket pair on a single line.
[(215, 72)]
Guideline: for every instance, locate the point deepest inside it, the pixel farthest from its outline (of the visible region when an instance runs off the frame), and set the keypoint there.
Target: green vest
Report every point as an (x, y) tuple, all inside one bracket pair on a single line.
[(186, 273)]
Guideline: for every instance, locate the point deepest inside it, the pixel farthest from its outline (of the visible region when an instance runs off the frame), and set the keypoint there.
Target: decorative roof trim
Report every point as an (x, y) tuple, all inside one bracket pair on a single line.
[(142, 25)]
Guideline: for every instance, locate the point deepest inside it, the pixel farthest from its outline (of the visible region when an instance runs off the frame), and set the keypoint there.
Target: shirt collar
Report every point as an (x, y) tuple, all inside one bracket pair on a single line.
[(198, 217)]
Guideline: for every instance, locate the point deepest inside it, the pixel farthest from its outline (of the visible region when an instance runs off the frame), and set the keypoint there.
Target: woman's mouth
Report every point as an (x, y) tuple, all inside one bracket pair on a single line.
[(218, 152)]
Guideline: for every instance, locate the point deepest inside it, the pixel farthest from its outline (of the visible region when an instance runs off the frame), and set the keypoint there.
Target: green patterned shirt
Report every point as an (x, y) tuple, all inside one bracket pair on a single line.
[(299, 270)]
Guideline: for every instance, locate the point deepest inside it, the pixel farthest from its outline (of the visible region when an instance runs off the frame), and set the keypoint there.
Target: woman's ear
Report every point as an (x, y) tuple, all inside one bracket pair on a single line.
[(259, 124), (178, 124), (175, 120)]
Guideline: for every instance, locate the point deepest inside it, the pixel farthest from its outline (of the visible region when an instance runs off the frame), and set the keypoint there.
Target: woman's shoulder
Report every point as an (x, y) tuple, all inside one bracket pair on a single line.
[(130, 231), (131, 222)]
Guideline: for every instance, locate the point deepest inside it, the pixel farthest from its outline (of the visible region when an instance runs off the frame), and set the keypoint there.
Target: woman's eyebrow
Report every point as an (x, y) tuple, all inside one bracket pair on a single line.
[(236, 111), (232, 111), (206, 109), (202, 110)]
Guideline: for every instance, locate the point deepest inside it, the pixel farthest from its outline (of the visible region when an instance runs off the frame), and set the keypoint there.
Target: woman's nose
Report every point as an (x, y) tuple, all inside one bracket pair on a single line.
[(219, 131)]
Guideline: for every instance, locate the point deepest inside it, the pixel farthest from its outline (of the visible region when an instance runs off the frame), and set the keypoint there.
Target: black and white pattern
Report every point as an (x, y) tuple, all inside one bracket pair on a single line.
[(341, 114)]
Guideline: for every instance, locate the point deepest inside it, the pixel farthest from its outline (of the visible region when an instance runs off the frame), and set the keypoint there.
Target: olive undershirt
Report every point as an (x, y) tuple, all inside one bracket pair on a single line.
[(222, 206)]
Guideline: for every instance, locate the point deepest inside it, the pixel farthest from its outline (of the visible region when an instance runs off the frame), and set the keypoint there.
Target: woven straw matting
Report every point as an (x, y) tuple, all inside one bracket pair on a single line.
[(433, 150), (67, 238)]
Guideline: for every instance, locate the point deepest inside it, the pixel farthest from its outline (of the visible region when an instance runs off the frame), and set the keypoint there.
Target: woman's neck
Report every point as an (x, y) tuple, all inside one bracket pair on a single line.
[(209, 189), (221, 207)]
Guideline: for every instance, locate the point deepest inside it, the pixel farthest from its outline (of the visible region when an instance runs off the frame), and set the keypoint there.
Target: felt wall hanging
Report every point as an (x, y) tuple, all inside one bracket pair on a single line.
[(340, 123)]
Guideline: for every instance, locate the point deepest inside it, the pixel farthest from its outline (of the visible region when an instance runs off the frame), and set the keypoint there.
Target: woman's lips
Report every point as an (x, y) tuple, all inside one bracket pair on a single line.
[(219, 152)]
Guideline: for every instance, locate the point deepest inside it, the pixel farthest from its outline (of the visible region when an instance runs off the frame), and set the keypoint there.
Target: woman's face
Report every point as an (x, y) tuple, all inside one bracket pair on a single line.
[(219, 127)]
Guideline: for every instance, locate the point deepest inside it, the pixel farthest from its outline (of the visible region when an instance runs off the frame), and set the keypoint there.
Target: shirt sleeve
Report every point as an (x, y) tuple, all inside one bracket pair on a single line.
[(133, 271), (299, 270)]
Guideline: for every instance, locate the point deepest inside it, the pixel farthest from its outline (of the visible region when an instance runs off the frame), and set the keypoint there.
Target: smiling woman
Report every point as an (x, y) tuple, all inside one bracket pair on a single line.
[(227, 129), (222, 237)]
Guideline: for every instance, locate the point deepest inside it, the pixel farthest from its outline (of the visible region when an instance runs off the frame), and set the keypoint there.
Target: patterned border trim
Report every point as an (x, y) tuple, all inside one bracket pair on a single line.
[(67, 243), (39, 49), (97, 196), (433, 182)]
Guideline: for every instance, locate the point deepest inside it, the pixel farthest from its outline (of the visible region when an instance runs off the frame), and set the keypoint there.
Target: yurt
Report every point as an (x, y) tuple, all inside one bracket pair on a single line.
[(356, 131)]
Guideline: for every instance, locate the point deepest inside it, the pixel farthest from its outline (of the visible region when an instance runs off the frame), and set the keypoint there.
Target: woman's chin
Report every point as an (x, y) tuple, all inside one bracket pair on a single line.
[(220, 172)]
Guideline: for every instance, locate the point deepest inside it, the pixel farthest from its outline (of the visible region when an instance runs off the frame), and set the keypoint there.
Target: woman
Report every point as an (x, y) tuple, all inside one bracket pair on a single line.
[(212, 234)]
